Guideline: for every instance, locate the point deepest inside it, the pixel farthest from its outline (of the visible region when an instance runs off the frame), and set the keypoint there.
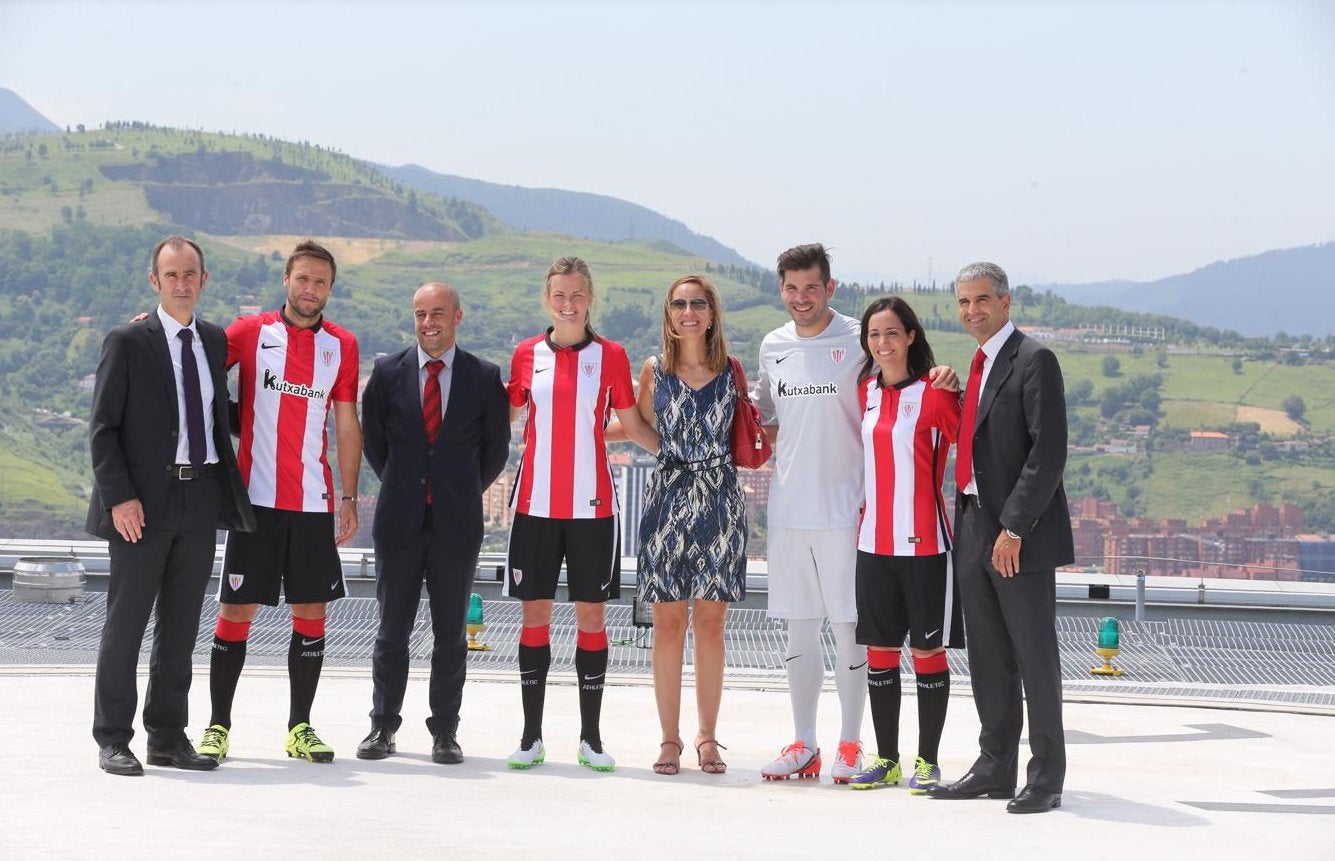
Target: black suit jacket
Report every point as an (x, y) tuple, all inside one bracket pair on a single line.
[(133, 431), (1019, 453), (469, 453)]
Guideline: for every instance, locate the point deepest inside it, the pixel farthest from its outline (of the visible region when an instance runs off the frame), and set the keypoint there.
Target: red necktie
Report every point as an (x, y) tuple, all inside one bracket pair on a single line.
[(964, 447), (431, 408)]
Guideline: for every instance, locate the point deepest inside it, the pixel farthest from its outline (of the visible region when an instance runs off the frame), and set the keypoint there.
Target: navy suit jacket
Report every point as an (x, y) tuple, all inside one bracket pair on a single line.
[(1019, 453), (134, 427), (469, 453)]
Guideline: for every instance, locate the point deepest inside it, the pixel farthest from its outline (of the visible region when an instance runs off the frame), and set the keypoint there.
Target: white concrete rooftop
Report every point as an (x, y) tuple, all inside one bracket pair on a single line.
[(1145, 781)]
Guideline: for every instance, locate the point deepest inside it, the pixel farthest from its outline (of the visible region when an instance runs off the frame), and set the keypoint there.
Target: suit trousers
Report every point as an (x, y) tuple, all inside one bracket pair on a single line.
[(166, 573), (1013, 655), (400, 571)]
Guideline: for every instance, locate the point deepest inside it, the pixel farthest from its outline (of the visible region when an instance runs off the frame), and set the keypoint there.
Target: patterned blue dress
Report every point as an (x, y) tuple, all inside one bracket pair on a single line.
[(693, 531)]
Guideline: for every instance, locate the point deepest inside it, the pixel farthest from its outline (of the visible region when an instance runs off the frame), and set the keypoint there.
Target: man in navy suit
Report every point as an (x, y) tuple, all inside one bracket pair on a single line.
[(436, 428), (1012, 531), (164, 480)]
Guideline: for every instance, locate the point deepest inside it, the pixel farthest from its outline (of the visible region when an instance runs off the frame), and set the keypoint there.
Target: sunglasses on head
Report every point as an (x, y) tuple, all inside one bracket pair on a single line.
[(696, 303)]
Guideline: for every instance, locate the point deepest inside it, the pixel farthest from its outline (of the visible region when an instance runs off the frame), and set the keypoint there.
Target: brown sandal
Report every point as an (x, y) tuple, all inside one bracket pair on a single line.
[(710, 766), (664, 766)]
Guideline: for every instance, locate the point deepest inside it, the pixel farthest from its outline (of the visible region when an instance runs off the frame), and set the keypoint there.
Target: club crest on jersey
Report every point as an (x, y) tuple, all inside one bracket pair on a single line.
[(908, 410), (517, 575), (235, 580), (837, 354), (589, 368), (328, 357)]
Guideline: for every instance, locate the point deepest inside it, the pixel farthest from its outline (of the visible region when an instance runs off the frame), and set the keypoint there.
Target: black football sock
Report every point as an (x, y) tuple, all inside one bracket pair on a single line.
[(226, 660), (883, 695), (933, 698), (591, 670), (535, 658), (305, 659)]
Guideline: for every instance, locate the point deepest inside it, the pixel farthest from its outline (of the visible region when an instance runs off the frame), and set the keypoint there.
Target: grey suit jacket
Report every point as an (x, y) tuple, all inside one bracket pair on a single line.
[(133, 429), (1019, 453)]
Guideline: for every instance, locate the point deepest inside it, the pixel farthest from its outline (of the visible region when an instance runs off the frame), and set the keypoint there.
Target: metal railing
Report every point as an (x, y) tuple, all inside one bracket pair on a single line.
[(1082, 586)]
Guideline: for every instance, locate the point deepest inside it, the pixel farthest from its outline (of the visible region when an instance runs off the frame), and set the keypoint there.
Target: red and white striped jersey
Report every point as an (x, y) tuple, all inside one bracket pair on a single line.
[(906, 434), (570, 393), (288, 382)]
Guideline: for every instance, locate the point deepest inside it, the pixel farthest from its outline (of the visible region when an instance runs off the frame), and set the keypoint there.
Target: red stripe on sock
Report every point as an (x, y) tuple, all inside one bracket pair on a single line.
[(232, 632), (592, 641), (927, 666), (536, 636), (310, 628), (883, 659)]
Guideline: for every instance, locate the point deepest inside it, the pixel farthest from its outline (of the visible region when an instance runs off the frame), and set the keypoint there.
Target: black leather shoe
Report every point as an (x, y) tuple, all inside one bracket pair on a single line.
[(119, 759), (969, 786), (1034, 800), (182, 756), (445, 749), (378, 744)]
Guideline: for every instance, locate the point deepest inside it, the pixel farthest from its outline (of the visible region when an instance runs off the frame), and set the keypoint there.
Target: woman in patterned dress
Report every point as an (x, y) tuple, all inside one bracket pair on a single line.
[(693, 531)]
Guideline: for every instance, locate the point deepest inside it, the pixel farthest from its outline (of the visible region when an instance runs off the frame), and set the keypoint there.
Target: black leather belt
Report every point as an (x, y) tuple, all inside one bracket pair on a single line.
[(186, 472), (715, 462)]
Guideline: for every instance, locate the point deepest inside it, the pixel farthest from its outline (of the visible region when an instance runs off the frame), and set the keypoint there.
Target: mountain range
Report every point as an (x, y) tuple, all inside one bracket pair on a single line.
[(1258, 296), (553, 210), (19, 117)]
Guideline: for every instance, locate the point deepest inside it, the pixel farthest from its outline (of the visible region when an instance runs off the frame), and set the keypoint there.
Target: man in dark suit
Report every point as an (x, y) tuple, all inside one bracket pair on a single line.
[(1012, 530), (436, 428), (165, 479)]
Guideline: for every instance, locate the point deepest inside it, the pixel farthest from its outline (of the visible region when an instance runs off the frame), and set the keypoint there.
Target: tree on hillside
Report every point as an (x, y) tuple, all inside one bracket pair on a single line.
[(1112, 366), (1237, 364), (1079, 393), (1294, 407)]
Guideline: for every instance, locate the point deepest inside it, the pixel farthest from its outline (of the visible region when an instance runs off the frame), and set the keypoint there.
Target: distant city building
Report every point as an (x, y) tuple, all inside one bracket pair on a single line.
[(496, 501), (631, 473), (1259, 543), (1316, 557), (755, 484), (1209, 441)]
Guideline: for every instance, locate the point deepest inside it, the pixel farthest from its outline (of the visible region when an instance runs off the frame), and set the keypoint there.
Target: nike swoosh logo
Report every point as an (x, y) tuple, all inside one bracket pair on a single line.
[(540, 370), (873, 407), (270, 346), (781, 359), (594, 678), (306, 642), (878, 672), (790, 658), (858, 667), (606, 585), (333, 585), (528, 672), (931, 634)]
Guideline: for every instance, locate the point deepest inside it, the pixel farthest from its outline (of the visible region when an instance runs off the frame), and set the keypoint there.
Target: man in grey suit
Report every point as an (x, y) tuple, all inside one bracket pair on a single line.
[(1012, 530), (436, 430), (164, 480)]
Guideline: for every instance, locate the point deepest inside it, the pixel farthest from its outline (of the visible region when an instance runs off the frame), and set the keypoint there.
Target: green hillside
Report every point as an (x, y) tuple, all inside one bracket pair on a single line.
[(135, 174), (79, 213)]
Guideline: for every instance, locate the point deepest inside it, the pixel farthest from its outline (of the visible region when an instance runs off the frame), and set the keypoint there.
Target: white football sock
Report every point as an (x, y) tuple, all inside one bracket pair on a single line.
[(805, 665)]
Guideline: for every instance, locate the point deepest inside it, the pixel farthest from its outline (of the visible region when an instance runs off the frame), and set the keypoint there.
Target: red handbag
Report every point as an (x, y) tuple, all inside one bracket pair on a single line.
[(750, 444)]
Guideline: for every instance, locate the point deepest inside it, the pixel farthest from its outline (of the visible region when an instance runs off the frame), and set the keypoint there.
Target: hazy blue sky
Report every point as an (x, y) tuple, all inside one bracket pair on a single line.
[(1067, 141)]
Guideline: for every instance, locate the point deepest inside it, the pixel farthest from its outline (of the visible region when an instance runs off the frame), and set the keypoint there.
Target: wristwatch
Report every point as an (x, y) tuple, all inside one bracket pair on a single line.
[(1012, 535)]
